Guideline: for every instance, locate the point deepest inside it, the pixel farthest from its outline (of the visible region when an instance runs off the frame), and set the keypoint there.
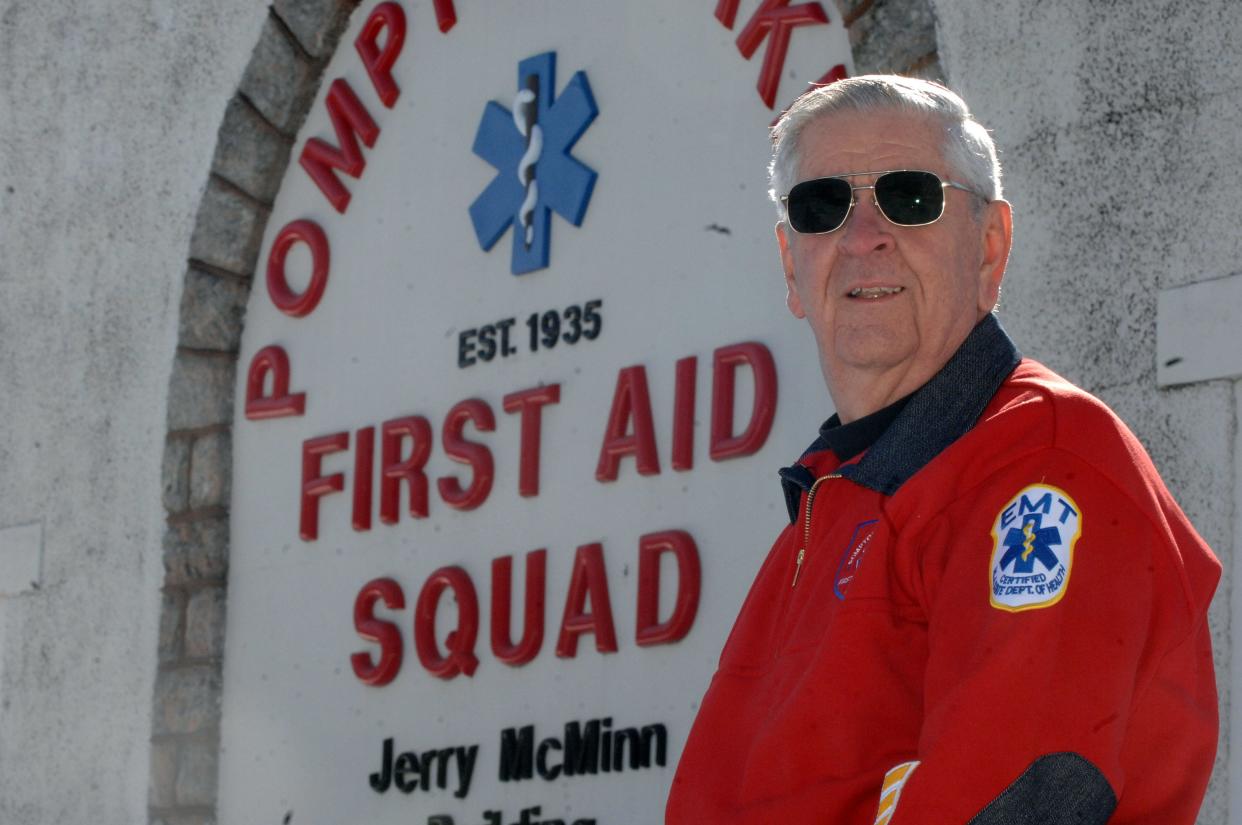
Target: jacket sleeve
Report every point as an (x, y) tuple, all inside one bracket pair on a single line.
[(1066, 647)]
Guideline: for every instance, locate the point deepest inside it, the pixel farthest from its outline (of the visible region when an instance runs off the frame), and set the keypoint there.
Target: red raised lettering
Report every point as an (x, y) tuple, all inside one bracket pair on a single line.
[(460, 657), (351, 121), (395, 469), (834, 74), (446, 15), (530, 404), (630, 400), (314, 484), (726, 12), (650, 548), (777, 19), (683, 414), (386, 634), (532, 623), (280, 403), (364, 466), (379, 62), (477, 456), (725, 362), (588, 579), (283, 297)]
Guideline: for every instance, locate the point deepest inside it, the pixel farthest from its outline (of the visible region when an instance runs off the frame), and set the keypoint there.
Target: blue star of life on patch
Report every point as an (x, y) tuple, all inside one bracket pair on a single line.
[(1040, 523), (1030, 543), (536, 175)]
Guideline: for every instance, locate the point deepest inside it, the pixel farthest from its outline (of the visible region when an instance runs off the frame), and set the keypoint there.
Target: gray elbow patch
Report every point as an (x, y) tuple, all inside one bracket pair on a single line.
[(1057, 789)]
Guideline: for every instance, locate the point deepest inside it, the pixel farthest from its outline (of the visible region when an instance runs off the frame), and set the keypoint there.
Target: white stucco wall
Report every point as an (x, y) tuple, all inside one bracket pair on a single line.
[(108, 118), (1120, 135)]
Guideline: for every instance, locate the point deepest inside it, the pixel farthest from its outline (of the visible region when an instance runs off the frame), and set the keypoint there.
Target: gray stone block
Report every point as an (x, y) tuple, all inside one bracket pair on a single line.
[(204, 623), (211, 468), (928, 70), (249, 152), (172, 626), (187, 699), (892, 36), (200, 392), (278, 80), (176, 474), (196, 551), (197, 770), (851, 10), (213, 309), (228, 230), (163, 774), (317, 24)]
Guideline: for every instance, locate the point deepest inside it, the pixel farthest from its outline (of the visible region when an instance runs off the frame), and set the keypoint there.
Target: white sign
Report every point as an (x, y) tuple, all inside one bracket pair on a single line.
[(516, 383)]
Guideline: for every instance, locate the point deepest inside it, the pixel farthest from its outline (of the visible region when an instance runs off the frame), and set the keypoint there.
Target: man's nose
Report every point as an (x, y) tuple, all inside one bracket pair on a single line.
[(866, 230)]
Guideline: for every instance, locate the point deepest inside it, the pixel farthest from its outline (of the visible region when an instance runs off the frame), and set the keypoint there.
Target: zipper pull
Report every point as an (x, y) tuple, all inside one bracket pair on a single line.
[(806, 533)]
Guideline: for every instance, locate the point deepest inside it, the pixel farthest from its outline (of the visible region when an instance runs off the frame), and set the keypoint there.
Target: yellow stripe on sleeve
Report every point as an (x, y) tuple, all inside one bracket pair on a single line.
[(890, 791)]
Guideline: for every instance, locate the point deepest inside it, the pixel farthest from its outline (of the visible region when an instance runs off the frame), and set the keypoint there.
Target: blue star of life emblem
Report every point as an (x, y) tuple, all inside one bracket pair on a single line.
[(1029, 543), (536, 175)]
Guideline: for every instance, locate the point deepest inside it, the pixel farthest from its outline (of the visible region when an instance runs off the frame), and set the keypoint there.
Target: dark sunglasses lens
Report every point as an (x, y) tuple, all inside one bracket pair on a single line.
[(910, 198), (818, 205)]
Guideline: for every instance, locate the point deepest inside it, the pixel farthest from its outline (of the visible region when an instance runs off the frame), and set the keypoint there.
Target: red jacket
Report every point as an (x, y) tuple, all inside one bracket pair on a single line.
[(1016, 629)]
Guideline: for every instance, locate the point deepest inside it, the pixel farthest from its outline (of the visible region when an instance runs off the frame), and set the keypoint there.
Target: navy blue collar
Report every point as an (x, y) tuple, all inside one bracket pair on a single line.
[(848, 440), (937, 414)]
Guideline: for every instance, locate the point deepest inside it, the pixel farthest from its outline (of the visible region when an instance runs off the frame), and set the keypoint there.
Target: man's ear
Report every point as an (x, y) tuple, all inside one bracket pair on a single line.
[(791, 289), (997, 238)]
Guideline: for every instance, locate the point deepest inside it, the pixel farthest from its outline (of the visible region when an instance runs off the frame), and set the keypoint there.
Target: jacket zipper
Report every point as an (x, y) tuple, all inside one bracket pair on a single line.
[(806, 531)]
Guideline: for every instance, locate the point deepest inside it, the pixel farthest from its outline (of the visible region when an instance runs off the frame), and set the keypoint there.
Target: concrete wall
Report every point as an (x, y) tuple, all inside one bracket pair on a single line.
[(1119, 125), (109, 111), (108, 117)]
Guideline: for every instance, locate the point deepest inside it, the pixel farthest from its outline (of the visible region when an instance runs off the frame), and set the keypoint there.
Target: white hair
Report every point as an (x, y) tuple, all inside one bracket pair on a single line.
[(968, 148)]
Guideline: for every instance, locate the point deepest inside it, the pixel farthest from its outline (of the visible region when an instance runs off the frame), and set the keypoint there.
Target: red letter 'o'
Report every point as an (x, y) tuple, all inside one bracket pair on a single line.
[(285, 299)]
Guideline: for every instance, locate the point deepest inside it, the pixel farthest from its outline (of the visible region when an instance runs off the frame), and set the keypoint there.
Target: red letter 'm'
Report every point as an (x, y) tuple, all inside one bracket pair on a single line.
[(351, 120)]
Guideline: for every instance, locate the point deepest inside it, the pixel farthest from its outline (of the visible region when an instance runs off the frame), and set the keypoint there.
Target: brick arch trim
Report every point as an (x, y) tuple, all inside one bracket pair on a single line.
[(253, 149)]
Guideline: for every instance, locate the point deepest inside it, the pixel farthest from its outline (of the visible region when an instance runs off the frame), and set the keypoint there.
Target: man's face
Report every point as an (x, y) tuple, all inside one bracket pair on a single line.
[(946, 275)]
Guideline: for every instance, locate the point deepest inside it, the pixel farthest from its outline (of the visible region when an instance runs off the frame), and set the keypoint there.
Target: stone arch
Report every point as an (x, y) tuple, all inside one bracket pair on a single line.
[(253, 147), (253, 150)]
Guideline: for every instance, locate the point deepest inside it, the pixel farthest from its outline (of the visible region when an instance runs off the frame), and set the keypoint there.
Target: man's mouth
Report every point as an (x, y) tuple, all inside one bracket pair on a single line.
[(874, 291)]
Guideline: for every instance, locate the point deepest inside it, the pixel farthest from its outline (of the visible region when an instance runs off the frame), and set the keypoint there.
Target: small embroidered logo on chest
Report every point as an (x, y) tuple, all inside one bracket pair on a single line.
[(1033, 548), (852, 557)]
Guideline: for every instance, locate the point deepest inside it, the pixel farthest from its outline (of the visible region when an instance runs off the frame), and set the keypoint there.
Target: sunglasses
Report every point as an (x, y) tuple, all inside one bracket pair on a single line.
[(906, 197)]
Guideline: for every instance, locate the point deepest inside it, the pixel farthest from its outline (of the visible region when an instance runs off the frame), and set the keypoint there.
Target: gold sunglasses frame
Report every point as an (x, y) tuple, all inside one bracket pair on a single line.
[(944, 184)]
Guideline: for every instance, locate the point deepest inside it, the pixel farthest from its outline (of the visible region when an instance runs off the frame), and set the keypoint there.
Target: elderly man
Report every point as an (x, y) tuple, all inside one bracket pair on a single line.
[(986, 608)]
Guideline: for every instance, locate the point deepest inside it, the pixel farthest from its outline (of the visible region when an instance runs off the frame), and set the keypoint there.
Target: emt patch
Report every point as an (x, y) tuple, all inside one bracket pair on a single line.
[(1033, 550)]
